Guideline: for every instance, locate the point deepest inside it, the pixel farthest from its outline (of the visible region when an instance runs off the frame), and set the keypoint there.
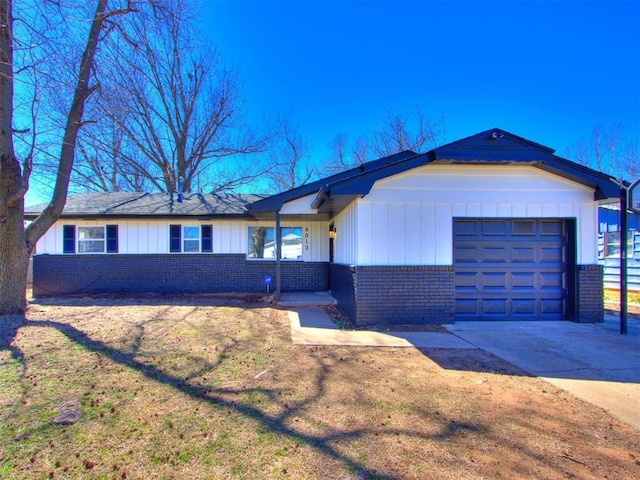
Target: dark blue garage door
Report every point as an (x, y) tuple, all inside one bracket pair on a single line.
[(510, 269)]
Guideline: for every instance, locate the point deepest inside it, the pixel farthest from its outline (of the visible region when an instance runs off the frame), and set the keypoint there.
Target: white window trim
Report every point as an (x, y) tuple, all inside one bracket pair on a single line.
[(91, 240), (304, 242)]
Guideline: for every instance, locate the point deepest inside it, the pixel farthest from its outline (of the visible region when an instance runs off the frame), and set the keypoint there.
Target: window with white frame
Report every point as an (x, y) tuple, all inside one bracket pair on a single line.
[(612, 244), (190, 239), (90, 238), (262, 243), (291, 241)]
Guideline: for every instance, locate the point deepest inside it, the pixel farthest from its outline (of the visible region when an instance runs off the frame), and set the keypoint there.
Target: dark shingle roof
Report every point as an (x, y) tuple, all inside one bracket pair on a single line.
[(333, 193), (124, 204), (274, 203)]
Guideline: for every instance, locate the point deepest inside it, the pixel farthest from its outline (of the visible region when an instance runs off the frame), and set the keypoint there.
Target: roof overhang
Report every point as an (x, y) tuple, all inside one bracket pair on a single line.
[(492, 147), (107, 217), (267, 207), (334, 197)]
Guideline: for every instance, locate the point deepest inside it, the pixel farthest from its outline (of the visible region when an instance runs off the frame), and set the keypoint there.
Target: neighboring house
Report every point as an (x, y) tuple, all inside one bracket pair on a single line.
[(609, 247), (492, 226)]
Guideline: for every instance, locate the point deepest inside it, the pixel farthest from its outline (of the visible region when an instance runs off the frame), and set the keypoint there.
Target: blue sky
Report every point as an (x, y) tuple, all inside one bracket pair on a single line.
[(546, 70)]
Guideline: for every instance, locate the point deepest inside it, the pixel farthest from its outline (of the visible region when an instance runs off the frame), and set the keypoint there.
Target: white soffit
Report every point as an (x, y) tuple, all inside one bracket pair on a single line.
[(299, 206)]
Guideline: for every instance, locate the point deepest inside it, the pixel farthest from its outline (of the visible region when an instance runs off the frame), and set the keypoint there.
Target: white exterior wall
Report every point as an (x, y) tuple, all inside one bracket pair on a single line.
[(152, 236), (51, 241), (319, 242), (407, 219), (345, 245)]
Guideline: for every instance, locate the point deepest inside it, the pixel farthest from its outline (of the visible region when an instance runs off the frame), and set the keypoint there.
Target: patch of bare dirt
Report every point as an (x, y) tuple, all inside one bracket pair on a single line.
[(343, 322)]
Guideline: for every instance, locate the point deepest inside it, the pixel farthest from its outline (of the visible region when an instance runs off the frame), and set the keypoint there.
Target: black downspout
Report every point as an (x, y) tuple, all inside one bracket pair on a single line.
[(278, 257), (623, 261)]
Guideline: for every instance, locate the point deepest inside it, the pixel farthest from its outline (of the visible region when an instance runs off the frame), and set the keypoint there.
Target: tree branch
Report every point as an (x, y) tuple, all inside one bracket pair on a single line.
[(74, 120)]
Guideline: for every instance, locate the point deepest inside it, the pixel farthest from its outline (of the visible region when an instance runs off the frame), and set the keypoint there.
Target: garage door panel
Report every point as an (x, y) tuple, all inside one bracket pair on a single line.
[(550, 306), (554, 279), (494, 306), (466, 254), (521, 280), (493, 227), (466, 227), (466, 307), (552, 255), (523, 254), (523, 306), (493, 280), (467, 280), (551, 227), (510, 268), (524, 227), (493, 255)]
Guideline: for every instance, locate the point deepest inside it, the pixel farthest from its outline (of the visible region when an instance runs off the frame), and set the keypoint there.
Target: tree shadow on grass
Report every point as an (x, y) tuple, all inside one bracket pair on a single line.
[(278, 423), (9, 326)]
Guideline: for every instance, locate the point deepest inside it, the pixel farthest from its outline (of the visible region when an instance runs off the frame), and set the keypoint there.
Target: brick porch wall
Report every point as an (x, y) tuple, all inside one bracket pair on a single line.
[(394, 295), (344, 283), (170, 274)]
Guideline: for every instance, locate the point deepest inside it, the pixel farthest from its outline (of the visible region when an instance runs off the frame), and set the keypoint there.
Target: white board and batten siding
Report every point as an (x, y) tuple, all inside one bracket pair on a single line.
[(317, 250), (152, 236), (345, 245), (407, 219)]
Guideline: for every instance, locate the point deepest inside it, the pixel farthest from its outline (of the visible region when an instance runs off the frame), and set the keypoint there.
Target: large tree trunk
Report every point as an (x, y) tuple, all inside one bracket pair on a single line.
[(14, 262), (14, 253)]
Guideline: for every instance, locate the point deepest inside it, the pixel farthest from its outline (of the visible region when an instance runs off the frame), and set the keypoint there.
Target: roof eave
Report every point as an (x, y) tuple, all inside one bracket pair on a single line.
[(275, 203), (605, 187), (106, 216)]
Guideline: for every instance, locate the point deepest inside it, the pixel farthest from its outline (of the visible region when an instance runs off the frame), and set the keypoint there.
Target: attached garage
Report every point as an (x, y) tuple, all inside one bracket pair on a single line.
[(512, 269), (490, 227)]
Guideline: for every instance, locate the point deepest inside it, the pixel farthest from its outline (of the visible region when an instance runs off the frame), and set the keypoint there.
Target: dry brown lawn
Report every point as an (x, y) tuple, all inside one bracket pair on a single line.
[(212, 388)]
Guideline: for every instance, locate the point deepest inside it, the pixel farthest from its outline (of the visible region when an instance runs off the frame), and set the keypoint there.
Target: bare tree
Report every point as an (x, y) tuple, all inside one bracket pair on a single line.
[(345, 154), (404, 132), (606, 150), (630, 159), (176, 107), (100, 165), (397, 132), (289, 157), (16, 241)]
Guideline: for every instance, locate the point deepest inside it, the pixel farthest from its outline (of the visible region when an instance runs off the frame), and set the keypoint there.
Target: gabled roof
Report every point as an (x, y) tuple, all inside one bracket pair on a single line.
[(157, 205), (491, 147), (496, 146)]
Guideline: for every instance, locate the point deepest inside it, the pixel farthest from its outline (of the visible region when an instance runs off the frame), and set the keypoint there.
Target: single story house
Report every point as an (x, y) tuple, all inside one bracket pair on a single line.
[(492, 226)]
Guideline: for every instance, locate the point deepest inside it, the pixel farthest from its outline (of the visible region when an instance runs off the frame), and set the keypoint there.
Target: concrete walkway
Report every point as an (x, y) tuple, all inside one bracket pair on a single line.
[(306, 299), (312, 326), (592, 361)]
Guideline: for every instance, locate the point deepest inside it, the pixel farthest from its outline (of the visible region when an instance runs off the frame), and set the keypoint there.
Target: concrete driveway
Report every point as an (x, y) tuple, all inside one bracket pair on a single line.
[(592, 361)]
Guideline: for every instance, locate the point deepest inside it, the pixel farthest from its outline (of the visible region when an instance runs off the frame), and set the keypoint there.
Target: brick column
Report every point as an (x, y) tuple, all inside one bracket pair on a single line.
[(589, 294)]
